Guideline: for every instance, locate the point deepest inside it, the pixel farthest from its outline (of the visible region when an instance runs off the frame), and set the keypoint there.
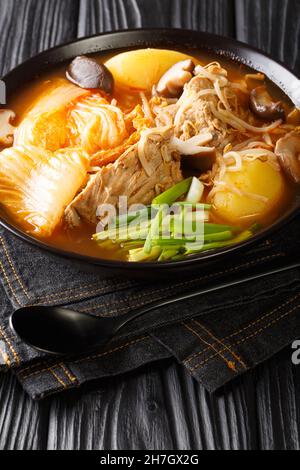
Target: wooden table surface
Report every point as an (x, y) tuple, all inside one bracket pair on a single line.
[(159, 406)]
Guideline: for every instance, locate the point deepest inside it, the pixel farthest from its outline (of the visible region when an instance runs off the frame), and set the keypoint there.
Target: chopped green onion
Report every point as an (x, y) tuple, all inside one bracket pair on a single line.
[(220, 236), (166, 254), (139, 255), (221, 244), (215, 228), (130, 245), (124, 233), (196, 191), (129, 217), (179, 243), (154, 229), (197, 205), (174, 193)]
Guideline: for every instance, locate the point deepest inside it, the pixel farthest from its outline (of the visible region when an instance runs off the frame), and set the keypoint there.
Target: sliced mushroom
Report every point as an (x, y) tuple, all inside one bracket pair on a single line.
[(201, 162), (194, 156), (172, 82), (6, 128), (263, 107), (288, 152), (88, 73), (293, 117)]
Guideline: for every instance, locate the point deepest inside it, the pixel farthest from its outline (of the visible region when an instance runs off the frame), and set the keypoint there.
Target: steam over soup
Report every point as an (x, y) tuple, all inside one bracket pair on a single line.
[(149, 155)]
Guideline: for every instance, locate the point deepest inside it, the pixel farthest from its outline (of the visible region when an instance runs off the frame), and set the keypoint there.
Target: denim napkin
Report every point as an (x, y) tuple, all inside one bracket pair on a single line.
[(215, 337)]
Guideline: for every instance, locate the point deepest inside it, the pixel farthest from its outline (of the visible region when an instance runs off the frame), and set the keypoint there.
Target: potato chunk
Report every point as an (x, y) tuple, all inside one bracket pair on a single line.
[(256, 178), (143, 68)]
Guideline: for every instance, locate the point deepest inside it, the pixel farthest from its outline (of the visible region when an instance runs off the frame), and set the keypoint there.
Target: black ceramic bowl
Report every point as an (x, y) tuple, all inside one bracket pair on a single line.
[(167, 38)]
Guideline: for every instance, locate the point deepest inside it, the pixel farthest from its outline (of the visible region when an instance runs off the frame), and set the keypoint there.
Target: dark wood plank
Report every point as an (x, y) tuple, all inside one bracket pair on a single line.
[(27, 27), (30, 26), (278, 403), (182, 416), (105, 15), (272, 25), (23, 423), (160, 406)]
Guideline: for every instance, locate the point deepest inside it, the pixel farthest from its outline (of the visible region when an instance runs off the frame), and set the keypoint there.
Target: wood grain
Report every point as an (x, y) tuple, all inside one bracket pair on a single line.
[(160, 406), (23, 423), (105, 15), (30, 26), (271, 25)]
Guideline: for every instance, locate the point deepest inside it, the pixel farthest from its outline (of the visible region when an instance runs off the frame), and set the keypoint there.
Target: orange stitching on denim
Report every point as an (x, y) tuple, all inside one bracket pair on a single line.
[(57, 378), (56, 294), (256, 333), (70, 376), (220, 342), (60, 297), (141, 304), (229, 364), (186, 283), (130, 343), (88, 358), (13, 268), (16, 357), (256, 322), (9, 283), (265, 258)]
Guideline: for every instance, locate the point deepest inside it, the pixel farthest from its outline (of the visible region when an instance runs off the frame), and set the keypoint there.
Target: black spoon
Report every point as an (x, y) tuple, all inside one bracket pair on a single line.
[(57, 330)]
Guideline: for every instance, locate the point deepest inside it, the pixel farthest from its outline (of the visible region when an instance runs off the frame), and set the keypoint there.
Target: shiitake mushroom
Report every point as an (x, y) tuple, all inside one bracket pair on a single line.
[(172, 82), (88, 73), (6, 128), (202, 162), (263, 107), (287, 151)]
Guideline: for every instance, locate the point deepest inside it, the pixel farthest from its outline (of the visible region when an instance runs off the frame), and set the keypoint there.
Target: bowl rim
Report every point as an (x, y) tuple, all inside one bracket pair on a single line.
[(214, 255)]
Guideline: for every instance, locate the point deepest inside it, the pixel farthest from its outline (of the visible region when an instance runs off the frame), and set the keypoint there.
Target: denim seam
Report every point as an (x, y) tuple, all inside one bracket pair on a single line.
[(106, 353), (214, 338), (58, 295), (59, 379), (187, 283), (261, 259), (219, 354), (253, 335), (256, 322), (9, 283), (71, 376), (13, 268), (39, 364), (10, 346)]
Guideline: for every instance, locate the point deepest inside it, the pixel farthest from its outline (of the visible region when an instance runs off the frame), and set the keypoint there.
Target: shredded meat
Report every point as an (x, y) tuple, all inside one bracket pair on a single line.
[(130, 176), (192, 113)]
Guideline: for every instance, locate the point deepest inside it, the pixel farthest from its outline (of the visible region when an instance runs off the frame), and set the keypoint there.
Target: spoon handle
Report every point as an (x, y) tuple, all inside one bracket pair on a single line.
[(280, 266)]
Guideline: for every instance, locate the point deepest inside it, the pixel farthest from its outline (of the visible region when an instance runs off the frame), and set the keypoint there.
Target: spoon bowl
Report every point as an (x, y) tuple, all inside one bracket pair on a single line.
[(59, 331)]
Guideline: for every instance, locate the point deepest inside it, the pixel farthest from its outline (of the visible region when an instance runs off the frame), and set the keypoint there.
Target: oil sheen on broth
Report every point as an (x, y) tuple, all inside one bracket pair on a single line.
[(80, 240)]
